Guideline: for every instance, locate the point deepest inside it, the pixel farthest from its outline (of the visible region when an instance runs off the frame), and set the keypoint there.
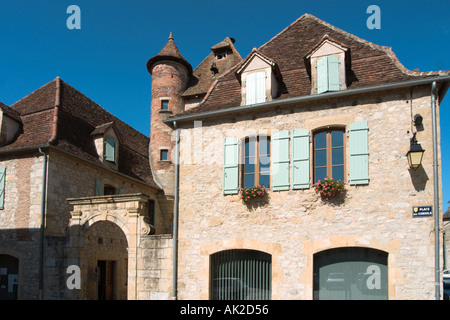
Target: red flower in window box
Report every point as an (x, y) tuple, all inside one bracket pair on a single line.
[(248, 194), (329, 188)]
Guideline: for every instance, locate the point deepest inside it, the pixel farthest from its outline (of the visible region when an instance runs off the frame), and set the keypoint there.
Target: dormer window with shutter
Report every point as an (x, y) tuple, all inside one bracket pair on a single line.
[(106, 142), (327, 64), (259, 77)]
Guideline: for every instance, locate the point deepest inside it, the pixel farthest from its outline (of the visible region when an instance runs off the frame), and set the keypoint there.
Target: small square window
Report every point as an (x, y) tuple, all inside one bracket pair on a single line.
[(164, 155), (164, 104)]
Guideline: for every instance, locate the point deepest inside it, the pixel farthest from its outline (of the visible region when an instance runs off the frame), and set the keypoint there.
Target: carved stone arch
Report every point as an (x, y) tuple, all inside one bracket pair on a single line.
[(129, 212)]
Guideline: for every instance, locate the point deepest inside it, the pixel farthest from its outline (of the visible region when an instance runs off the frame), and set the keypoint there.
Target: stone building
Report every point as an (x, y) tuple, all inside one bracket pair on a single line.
[(168, 217), (312, 104)]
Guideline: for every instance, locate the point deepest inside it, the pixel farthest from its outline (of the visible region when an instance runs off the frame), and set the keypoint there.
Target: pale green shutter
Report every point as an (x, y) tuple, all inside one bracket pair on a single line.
[(250, 88), (300, 159), (98, 188), (280, 161), (333, 73), (2, 187), (322, 75), (260, 87), (359, 153), (110, 150), (230, 166)]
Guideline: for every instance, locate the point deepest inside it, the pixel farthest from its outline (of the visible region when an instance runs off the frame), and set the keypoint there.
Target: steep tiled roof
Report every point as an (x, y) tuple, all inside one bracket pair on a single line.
[(60, 115), (203, 77), (370, 64), (169, 52)]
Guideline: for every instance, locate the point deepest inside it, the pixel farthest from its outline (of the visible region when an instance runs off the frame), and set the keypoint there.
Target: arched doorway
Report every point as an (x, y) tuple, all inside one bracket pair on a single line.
[(106, 261), (351, 273), (9, 277)]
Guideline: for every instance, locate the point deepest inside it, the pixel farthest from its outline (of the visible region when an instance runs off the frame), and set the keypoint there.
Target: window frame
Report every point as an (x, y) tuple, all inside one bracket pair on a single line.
[(256, 172), (163, 151), (329, 147), (165, 102)]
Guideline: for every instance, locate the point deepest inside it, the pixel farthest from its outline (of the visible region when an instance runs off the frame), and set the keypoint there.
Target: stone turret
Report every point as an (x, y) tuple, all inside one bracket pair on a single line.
[(170, 75)]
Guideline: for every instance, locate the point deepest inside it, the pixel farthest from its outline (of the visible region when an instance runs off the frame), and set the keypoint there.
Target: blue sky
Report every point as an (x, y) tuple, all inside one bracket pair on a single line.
[(106, 59)]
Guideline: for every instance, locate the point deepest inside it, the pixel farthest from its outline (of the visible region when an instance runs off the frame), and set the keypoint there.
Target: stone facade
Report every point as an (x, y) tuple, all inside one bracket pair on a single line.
[(294, 225), (67, 177)]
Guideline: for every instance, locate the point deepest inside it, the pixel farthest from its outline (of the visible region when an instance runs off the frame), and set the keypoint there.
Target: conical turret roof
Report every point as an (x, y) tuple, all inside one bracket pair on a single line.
[(169, 52)]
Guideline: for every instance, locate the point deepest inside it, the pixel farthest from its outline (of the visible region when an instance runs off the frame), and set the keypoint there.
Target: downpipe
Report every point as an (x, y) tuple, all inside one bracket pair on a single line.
[(175, 214), (436, 193)]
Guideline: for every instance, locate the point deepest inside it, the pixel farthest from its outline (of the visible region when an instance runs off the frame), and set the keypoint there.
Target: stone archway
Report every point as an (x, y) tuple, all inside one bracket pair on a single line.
[(127, 212)]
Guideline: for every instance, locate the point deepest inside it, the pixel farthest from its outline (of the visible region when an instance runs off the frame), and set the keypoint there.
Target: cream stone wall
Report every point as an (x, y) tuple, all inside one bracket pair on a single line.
[(20, 218), (67, 177), (294, 225)]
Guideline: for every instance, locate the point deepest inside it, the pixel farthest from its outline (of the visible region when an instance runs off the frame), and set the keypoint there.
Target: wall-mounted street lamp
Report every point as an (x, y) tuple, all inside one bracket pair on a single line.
[(415, 154)]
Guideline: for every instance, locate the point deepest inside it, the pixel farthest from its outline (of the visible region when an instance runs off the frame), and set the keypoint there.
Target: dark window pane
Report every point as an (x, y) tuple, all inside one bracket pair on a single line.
[(249, 165), (320, 174), (250, 148), (337, 156), (264, 146), (164, 154), (165, 105), (264, 163), (337, 138), (338, 173), (320, 158), (320, 140), (249, 180), (264, 179)]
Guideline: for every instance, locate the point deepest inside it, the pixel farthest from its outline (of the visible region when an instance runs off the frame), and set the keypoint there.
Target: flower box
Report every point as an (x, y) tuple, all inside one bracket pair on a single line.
[(247, 194), (329, 188)]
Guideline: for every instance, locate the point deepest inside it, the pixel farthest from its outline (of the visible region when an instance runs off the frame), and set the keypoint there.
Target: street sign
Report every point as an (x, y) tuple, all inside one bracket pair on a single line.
[(426, 211)]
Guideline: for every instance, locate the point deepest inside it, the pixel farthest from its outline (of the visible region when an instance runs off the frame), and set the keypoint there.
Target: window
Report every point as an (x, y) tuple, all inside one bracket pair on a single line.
[(164, 154), (240, 275), (328, 74), (350, 273), (329, 153), (256, 166), (256, 87), (164, 104)]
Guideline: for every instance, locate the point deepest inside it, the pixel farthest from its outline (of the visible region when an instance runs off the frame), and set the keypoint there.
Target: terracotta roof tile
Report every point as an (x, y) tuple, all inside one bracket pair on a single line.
[(169, 52), (77, 118), (370, 64), (202, 77)]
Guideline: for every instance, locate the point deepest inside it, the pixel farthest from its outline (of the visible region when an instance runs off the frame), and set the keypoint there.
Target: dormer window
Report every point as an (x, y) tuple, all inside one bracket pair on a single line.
[(259, 77), (327, 64), (107, 143)]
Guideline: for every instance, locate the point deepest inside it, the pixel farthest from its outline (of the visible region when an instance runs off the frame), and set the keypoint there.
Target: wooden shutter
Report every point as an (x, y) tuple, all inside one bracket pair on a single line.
[(300, 159), (2, 187), (322, 75), (98, 188), (280, 161), (359, 153), (333, 73), (260, 87), (230, 166), (110, 149), (251, 88)]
